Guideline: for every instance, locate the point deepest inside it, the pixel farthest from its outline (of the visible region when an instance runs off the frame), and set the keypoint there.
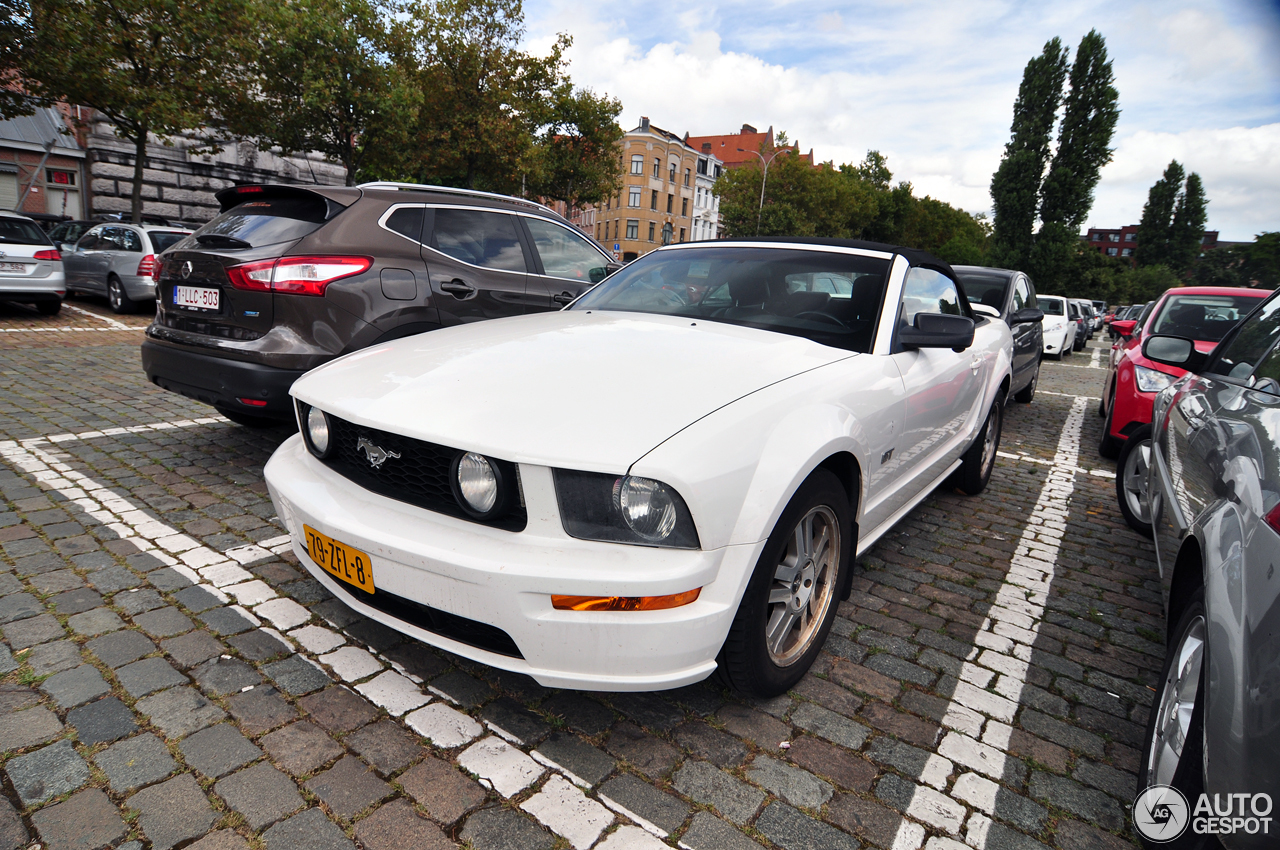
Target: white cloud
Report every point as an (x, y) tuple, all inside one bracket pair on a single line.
[(931, 84)]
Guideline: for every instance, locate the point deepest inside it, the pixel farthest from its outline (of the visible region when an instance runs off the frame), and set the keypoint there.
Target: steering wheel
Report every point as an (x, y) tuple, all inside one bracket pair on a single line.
[(815, 314)]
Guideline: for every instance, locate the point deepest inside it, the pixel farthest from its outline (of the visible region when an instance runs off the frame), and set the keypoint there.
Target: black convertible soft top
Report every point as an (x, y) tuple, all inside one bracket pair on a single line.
[(914, 256)]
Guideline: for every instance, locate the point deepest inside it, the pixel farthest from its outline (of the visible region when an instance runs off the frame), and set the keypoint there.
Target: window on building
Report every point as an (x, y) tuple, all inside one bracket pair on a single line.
[(702, 166), (633, 228), (682, 234), (59, 178), (1111, 252), (634, 196), (651, 231), (653, 201), (1113, 237), (657, 167), (637, 164), (1206, 239), (1124, 252), (717, 171), (671, 199), (684, 208), (672, 176), (615, 231), (608, 203), (686, 177), (1131, 237), (597, 231)]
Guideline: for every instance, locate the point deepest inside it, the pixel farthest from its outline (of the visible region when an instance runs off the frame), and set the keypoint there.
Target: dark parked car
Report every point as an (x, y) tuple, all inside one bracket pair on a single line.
[(1011, 295), (1077, 314), (69, 232), (289, 277), (1214, 501)]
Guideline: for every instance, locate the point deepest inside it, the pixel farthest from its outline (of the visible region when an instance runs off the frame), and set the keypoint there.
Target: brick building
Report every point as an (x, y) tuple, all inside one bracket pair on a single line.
[(1123, 242), (89, 170), (737, 149)]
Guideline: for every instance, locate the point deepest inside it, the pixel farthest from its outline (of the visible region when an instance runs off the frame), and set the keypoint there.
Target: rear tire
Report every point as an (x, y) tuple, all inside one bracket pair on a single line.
[(980, 458), (1131, 480), (791, 599), (1174, 751), (48, 308), (119, 300), (1024, 395)]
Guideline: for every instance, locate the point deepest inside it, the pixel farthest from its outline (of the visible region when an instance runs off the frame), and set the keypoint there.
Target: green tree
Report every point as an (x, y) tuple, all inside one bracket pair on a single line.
[(15, 31), (1186, 230), (324, 82), (151, 67), (1262, 261), (576, 154), (1084, 138), (1015, 186), (1155, 228), (1221, 267)]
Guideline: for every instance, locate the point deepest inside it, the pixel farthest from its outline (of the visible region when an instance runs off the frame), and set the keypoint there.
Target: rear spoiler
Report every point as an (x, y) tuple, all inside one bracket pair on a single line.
[(336, 198)]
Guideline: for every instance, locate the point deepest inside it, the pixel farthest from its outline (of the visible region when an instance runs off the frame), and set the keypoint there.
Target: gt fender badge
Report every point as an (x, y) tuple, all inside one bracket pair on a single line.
[(376, 454)]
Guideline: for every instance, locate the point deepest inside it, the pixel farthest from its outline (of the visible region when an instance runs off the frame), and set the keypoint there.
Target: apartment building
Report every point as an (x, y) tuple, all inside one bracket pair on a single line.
[(656, 205), (1123, 242)]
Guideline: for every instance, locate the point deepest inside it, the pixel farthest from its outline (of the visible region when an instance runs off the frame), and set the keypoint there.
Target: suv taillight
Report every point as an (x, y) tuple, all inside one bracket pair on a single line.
[(147, 267), (46, 255), (296, 275)]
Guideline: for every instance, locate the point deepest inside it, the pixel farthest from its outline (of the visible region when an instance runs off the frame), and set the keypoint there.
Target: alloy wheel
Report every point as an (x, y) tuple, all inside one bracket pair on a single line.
[(1135, 481), (1176, 706), (114, 294), (991, 440), (802, 588)]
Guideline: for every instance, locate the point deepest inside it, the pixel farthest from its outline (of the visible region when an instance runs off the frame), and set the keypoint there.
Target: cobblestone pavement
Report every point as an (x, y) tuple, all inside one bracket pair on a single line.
[(169, 675)]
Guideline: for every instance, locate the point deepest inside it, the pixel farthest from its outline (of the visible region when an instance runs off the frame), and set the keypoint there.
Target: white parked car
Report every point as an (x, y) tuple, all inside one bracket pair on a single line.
[(1059, 329), (672, 474), (30, 266)]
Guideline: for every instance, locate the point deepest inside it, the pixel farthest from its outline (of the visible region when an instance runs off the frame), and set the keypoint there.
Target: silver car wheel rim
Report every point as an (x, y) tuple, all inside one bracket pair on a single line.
[(113, 293), (802, 588), (1177, 703), (1135, 481), (990, 439)]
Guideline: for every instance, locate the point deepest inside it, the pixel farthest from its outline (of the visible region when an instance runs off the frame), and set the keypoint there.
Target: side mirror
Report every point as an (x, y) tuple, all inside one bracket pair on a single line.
[(984, 310), (937, 330), (1124, 327), (1026, 316), (1173, 351)]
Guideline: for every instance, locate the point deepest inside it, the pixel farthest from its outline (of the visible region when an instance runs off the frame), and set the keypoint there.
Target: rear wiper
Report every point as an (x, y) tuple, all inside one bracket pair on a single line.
[(221, 241)]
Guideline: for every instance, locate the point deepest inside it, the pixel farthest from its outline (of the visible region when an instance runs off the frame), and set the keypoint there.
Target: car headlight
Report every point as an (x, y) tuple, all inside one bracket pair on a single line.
[(315, 429), (484, 488), (623, 509), (1151, 381)]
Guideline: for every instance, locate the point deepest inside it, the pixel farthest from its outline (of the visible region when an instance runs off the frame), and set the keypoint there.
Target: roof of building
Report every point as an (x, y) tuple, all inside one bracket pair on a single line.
[(725, 148), (39, 128)]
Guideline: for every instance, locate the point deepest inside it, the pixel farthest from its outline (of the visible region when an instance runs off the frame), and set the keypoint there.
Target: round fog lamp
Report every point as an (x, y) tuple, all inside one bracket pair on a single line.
[(477, 482), (318, 430), (646, 505)]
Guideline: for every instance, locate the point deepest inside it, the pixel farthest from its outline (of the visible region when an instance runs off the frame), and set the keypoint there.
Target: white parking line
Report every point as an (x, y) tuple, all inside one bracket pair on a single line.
[(65, 330), (1101, 473), (113, 432), (1069, 395), (978, 719), (115, 325)]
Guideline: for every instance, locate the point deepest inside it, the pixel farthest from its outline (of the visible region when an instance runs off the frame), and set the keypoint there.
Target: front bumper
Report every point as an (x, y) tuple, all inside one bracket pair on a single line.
[(504, 580), (219, 381)]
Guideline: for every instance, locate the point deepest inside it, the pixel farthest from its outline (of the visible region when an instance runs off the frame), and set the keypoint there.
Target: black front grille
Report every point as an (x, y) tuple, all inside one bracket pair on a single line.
[(419, 476), (462, 629)]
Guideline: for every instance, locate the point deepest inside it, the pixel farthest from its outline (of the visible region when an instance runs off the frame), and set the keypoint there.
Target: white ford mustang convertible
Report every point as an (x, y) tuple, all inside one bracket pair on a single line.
[(672, 475)]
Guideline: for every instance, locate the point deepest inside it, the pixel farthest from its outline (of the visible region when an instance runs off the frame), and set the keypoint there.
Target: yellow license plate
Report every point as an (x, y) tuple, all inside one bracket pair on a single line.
[(340, 560)]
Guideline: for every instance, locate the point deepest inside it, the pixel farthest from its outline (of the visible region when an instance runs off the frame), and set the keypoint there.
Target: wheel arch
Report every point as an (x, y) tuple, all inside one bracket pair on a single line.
[(846, 468), (1188, 577)]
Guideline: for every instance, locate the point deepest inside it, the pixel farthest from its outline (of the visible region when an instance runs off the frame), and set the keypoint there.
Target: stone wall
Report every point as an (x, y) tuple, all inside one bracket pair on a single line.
[(178, 183)]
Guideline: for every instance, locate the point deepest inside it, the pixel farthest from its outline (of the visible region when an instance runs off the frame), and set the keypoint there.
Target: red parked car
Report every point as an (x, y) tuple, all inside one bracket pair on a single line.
[(1200, 313)]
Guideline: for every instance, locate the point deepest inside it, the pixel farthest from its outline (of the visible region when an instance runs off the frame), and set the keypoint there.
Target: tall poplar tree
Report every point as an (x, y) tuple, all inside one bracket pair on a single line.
[(1186, 231), (1155, 230), (1015, 187)]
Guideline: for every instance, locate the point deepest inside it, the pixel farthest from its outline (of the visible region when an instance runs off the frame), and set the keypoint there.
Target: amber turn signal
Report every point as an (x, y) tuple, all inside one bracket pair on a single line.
[(624, 603)]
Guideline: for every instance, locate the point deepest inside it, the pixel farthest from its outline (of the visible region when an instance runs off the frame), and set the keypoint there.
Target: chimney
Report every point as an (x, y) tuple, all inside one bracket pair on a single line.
[(706, 147), (747, 128), (644, 122)]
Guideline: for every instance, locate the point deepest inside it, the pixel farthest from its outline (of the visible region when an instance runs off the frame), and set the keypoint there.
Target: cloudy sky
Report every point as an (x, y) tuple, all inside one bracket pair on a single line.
[(931, 84)]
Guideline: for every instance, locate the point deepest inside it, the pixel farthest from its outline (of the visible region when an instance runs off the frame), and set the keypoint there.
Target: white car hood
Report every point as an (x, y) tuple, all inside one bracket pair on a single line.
[(592, 391)]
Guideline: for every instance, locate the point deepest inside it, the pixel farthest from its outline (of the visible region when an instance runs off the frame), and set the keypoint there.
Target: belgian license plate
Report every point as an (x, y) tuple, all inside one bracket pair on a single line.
[(197, 297), (19, 268), (340, 560)]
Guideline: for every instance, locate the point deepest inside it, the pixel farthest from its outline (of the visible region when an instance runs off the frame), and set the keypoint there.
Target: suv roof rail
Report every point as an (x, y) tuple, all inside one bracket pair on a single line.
[(475, 193)]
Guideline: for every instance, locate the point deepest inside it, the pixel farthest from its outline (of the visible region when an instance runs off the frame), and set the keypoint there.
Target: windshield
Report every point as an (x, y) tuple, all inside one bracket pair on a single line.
[(162, 239), (1205, 318), (19, 231), (267, 222), (830, 298), (1050, 306), (984, 289)]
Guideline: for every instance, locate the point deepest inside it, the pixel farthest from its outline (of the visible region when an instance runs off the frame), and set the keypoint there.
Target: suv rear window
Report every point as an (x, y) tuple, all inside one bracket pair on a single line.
[(269, 220), (162, 239), (17, 231)]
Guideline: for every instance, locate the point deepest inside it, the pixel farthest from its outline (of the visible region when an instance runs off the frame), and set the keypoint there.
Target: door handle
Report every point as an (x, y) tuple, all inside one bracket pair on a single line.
[(460, 288), (564, 297), (976, 364)]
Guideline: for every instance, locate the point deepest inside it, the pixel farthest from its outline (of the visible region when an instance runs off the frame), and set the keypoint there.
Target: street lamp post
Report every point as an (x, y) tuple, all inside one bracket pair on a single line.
[(765, 180)]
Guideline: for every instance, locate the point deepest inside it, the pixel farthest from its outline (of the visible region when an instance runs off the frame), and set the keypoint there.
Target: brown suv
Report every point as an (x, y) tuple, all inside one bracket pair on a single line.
[(288, 277)]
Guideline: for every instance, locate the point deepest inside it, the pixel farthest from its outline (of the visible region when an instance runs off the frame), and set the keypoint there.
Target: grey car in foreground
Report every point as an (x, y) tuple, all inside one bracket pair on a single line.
[(119, 261), (1214, 495)]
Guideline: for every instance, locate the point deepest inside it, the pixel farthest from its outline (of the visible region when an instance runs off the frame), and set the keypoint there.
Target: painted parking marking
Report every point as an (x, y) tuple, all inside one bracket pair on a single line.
[(115, 325), (1095, 362), (978, 721)]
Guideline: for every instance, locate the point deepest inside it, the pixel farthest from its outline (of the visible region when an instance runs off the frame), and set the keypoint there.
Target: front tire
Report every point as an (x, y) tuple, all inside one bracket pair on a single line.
[(1174, 750), (1131, 480), (980, 458), (119, 300), (790, 602), (1109, 447)]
